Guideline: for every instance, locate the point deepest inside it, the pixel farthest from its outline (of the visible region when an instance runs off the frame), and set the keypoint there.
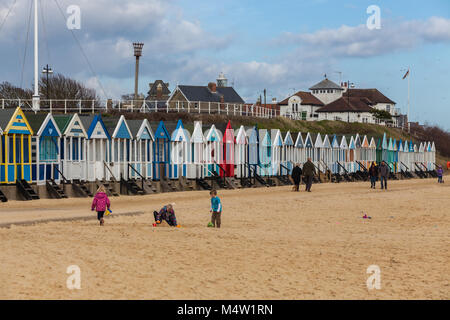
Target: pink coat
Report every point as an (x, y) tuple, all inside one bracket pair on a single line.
[(101, 202)]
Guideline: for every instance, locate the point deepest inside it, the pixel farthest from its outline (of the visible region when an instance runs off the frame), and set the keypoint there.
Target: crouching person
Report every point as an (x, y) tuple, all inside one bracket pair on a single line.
[(167, 213)]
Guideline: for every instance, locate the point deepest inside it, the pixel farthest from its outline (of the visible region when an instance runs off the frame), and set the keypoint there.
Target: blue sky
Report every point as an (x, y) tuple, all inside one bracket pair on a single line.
[(279, 45)]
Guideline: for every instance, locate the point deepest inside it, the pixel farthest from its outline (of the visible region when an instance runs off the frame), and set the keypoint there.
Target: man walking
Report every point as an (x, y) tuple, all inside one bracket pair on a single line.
[(309, 171), (296, 176), (384, 174)]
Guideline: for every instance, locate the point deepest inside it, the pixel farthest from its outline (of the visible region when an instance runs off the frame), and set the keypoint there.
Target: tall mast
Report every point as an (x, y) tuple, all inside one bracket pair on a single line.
[(409, 104), (36, 97)]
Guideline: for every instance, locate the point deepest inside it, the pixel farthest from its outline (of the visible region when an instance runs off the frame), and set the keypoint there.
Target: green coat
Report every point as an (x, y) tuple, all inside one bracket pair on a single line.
[(309, 169)]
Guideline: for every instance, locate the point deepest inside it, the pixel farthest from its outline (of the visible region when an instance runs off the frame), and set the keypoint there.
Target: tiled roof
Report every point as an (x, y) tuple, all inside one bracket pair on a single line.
[(373, 95), (203, 94), (307, 99), (345, 104), (326, 84)]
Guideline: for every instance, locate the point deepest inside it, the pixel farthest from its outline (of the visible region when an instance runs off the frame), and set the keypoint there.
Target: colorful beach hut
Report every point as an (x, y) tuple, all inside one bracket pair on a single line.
[(45, 146), (73, 147), (277, 151), (195, 169), (265, 153), (142, 149), (326, 153), (15, 158), (240, 152), (213, 150), (180, 152), (98, 148), (228, 152), (335, 155), (288, 154), (300, 152), (253, 149), (161, 152)]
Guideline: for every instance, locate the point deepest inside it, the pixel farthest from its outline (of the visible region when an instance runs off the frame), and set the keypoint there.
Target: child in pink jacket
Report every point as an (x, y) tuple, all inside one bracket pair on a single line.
[(100, 204)]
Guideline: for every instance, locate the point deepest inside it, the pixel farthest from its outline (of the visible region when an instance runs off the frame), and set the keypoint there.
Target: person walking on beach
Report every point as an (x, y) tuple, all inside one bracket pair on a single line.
[(384, 174), (167, 213), (296, 176), (373, 174), (216, 209), (100, 204), (309, 171), (440, 173)]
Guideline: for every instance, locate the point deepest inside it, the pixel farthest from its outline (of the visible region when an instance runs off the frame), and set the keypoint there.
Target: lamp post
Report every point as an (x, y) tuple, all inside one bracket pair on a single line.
[(137, 53), (47, 70)]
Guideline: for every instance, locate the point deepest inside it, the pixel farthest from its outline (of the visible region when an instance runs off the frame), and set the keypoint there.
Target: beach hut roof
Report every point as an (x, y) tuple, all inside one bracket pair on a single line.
[(14, 122), (35, 120), (213, 134), (276, 138), (372, 144), (400, 146), (120, 129), (265, 139), (344, 143), (228, 136), (288, 141), (96, 127), (241, 136), (335, 142), (326, 142), (308, 141), (180, 133), (252, 135), (299, 142), (365, 143), (141, 129), (62, 121), (5, 117), (384, 144), (433, 147), (197, 133), (318, 141), (161, 132), (390, 145), (49, 128), (357, 141), (352, 145)]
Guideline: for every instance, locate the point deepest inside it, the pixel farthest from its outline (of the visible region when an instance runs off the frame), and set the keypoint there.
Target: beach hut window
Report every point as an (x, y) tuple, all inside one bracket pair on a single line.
[(161, 146), (75, 150)]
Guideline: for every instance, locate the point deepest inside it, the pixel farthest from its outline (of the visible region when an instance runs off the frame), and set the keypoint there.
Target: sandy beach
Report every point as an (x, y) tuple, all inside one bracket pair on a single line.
[(274, 244)]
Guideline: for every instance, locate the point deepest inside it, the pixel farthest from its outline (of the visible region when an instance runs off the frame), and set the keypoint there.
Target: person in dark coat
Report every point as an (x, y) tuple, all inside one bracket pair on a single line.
[(309, 171), (373, 174), (384, 174), (296, 176)]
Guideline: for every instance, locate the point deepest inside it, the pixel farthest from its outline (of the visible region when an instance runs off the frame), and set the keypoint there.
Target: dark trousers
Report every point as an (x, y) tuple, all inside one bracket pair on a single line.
[(440, 179), (100, 215), (216, 219), (373, 181), (296, 185), (309, 181), (383, 179)]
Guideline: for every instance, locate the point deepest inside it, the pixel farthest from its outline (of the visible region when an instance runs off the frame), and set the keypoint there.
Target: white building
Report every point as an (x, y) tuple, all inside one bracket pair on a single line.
[(301, 106), (327, 91), (347, 109)]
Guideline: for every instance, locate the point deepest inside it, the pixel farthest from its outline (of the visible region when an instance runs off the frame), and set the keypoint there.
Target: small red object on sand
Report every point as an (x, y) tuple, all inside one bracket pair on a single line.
[(154, 224)]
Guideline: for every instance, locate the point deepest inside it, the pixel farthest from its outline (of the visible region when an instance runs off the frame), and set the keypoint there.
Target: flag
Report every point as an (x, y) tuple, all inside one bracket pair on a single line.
[(406, 74)]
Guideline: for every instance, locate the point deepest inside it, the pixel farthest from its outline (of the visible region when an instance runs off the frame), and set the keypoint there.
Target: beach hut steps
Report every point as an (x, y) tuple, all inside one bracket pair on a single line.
[(3, 198), (55, 190), (81, 188), (26, 190)]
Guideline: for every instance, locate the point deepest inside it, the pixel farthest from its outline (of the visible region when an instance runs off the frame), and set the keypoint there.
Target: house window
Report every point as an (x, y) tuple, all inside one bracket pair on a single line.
[(196, 105), (304, 113), (388, 108)]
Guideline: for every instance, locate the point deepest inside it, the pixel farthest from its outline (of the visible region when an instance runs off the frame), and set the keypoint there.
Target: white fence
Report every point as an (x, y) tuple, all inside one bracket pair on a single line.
[(98, 106)]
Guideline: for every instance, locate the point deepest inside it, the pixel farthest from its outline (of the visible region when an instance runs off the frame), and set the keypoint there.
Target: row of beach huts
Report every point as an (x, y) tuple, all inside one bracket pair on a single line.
[(44, 153)]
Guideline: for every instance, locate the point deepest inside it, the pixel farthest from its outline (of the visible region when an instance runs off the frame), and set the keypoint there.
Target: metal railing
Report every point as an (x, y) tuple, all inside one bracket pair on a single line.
[(143, 106)]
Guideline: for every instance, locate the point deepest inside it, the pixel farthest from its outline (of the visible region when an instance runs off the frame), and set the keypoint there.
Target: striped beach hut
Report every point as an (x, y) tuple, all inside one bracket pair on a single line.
[(240, 152), (395, 155), (265, 153), (228, 152), (98, 147), (358, 150), (384, 148), (45, 146), (252, 149), (277, 151), (373, 150), (390, 155), (121, 147), (433, 155), (288, 154), (326, 153), (181, 152), (195, 169), (309, 147), (213, 150), (318, 145), (161, 152), (299, 149), (343, 154), (142, 148), (364, 153), (73, 147), (351, 155), (15, 159), (401, 156), (335, 154)]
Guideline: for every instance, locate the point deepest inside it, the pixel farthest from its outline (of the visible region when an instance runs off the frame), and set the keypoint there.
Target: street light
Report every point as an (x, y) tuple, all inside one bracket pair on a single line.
[(47, 70), (137, 53)]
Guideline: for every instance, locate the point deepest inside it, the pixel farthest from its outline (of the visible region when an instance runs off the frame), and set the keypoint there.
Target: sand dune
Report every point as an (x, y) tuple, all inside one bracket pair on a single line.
[(274, 244)]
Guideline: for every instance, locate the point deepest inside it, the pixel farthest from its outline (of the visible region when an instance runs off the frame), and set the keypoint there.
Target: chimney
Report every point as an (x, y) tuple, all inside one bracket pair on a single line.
[(222, 100), (212, 87), (274, 100), (159, 92)]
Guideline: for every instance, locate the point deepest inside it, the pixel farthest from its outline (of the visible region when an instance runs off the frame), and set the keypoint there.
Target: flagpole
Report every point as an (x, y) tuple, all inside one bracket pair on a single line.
[(36, 97), (409, 102)]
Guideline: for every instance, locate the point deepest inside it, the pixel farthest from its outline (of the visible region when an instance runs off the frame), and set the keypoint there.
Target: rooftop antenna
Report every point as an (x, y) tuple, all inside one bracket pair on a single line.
[(340, 76)]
